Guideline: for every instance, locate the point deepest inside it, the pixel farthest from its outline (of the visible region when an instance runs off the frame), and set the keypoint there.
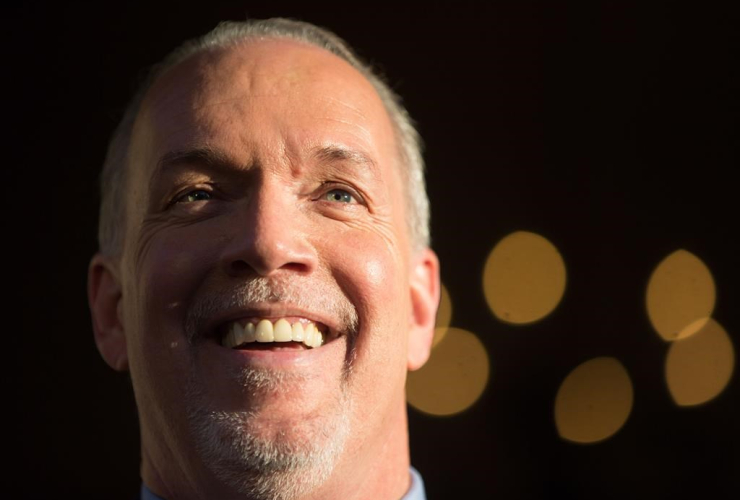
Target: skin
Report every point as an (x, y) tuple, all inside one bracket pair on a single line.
[(278, 210)]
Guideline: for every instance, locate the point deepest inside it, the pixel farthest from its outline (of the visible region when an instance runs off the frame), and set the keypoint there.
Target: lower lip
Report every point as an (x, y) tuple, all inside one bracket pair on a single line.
[(274, 355), (275, 346)]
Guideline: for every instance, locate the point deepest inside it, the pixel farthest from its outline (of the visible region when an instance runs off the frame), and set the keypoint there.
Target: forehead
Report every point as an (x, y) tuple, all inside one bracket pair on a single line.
[(242, 94)]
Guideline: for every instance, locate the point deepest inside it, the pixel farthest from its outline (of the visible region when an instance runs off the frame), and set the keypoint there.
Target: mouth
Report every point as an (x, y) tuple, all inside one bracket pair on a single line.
[(260, 333)]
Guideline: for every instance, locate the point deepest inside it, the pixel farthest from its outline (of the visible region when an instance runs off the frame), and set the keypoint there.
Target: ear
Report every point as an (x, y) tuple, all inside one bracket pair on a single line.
[(424, 281), (104, 297)]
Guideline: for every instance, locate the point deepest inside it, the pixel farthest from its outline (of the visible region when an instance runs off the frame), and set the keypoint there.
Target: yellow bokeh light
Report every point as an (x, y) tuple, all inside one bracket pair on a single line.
[(444, 316), (524, 278), (680, 296), (453, 378), (699, 367), (593, 401)]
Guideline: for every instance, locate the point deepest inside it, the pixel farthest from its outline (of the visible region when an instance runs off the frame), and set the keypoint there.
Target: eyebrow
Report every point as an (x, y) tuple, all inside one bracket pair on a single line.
[(214, 158), (341, 154), (203, 156)]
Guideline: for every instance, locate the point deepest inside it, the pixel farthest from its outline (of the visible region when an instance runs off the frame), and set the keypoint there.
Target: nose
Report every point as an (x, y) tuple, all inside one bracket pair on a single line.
[(268, 236)]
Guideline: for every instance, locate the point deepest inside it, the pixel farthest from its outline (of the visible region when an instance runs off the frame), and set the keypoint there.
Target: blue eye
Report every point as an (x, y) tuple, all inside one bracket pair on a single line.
[(194, 195), (339, 196)]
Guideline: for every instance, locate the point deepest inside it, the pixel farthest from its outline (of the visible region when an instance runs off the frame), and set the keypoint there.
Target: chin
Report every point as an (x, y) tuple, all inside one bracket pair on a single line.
[(268, 458)]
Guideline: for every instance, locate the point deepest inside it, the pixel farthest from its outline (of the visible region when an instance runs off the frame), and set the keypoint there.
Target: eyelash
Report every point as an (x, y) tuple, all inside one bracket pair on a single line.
[(331, 187), (179, 197), (326, 189)]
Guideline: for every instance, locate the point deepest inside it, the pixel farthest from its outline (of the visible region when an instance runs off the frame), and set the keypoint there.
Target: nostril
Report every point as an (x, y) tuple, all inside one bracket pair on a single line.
[(239, 266), (295, 266)]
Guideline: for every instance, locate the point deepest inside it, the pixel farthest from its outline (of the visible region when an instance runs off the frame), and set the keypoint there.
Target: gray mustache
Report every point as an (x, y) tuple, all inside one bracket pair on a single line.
[(310, 294)]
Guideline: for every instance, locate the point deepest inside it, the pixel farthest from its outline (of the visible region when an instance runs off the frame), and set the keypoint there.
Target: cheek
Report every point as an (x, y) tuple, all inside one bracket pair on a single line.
[(177, 267), (171, 265), (379, 367), (370, 267), (377, 272), (375, 279)]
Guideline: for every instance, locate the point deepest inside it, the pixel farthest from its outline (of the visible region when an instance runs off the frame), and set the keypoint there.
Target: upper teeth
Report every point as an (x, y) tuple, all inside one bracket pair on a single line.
[(266, 331)]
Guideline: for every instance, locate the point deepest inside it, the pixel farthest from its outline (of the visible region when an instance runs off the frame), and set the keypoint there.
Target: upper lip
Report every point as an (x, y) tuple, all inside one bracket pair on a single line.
[(271, 312)]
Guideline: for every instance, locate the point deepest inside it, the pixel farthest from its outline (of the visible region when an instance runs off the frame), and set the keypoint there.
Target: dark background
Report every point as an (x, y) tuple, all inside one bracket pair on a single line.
[(609, 128)]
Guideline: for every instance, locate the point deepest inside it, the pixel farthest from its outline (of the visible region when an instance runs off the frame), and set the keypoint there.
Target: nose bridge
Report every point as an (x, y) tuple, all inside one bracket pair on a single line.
[(269, 234)]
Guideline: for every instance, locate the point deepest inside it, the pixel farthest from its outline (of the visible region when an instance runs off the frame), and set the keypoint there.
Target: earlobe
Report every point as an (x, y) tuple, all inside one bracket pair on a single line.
[(104, 295), (425, 286)]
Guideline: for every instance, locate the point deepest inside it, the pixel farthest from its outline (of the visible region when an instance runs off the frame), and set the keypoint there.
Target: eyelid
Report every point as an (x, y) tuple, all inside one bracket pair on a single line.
[(182, 199), (182, 192), (329, 186)]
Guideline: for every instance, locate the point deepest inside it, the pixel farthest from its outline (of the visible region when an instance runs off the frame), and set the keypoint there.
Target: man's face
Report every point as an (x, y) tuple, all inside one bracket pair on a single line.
[(264, 184)]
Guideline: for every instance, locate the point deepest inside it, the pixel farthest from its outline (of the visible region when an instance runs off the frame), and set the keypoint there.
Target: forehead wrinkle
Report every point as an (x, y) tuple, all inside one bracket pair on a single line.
[(361, 132), (187, 92), (244, 80), (251, 73), (355, 109)]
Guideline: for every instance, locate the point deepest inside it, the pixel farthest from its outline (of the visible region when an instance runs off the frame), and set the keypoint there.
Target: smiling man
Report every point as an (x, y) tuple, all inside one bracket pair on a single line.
[(264, 271)]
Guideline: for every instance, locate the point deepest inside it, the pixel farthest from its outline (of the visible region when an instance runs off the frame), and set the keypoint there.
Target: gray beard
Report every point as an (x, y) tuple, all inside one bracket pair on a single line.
[(287, 465), (293, 461)]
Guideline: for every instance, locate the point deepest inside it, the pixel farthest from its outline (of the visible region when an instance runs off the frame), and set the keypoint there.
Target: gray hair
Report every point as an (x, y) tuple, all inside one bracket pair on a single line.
[(228, 34)]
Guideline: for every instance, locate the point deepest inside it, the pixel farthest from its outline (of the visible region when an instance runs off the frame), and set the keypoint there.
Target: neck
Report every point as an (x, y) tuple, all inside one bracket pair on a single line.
[(376, 469)]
